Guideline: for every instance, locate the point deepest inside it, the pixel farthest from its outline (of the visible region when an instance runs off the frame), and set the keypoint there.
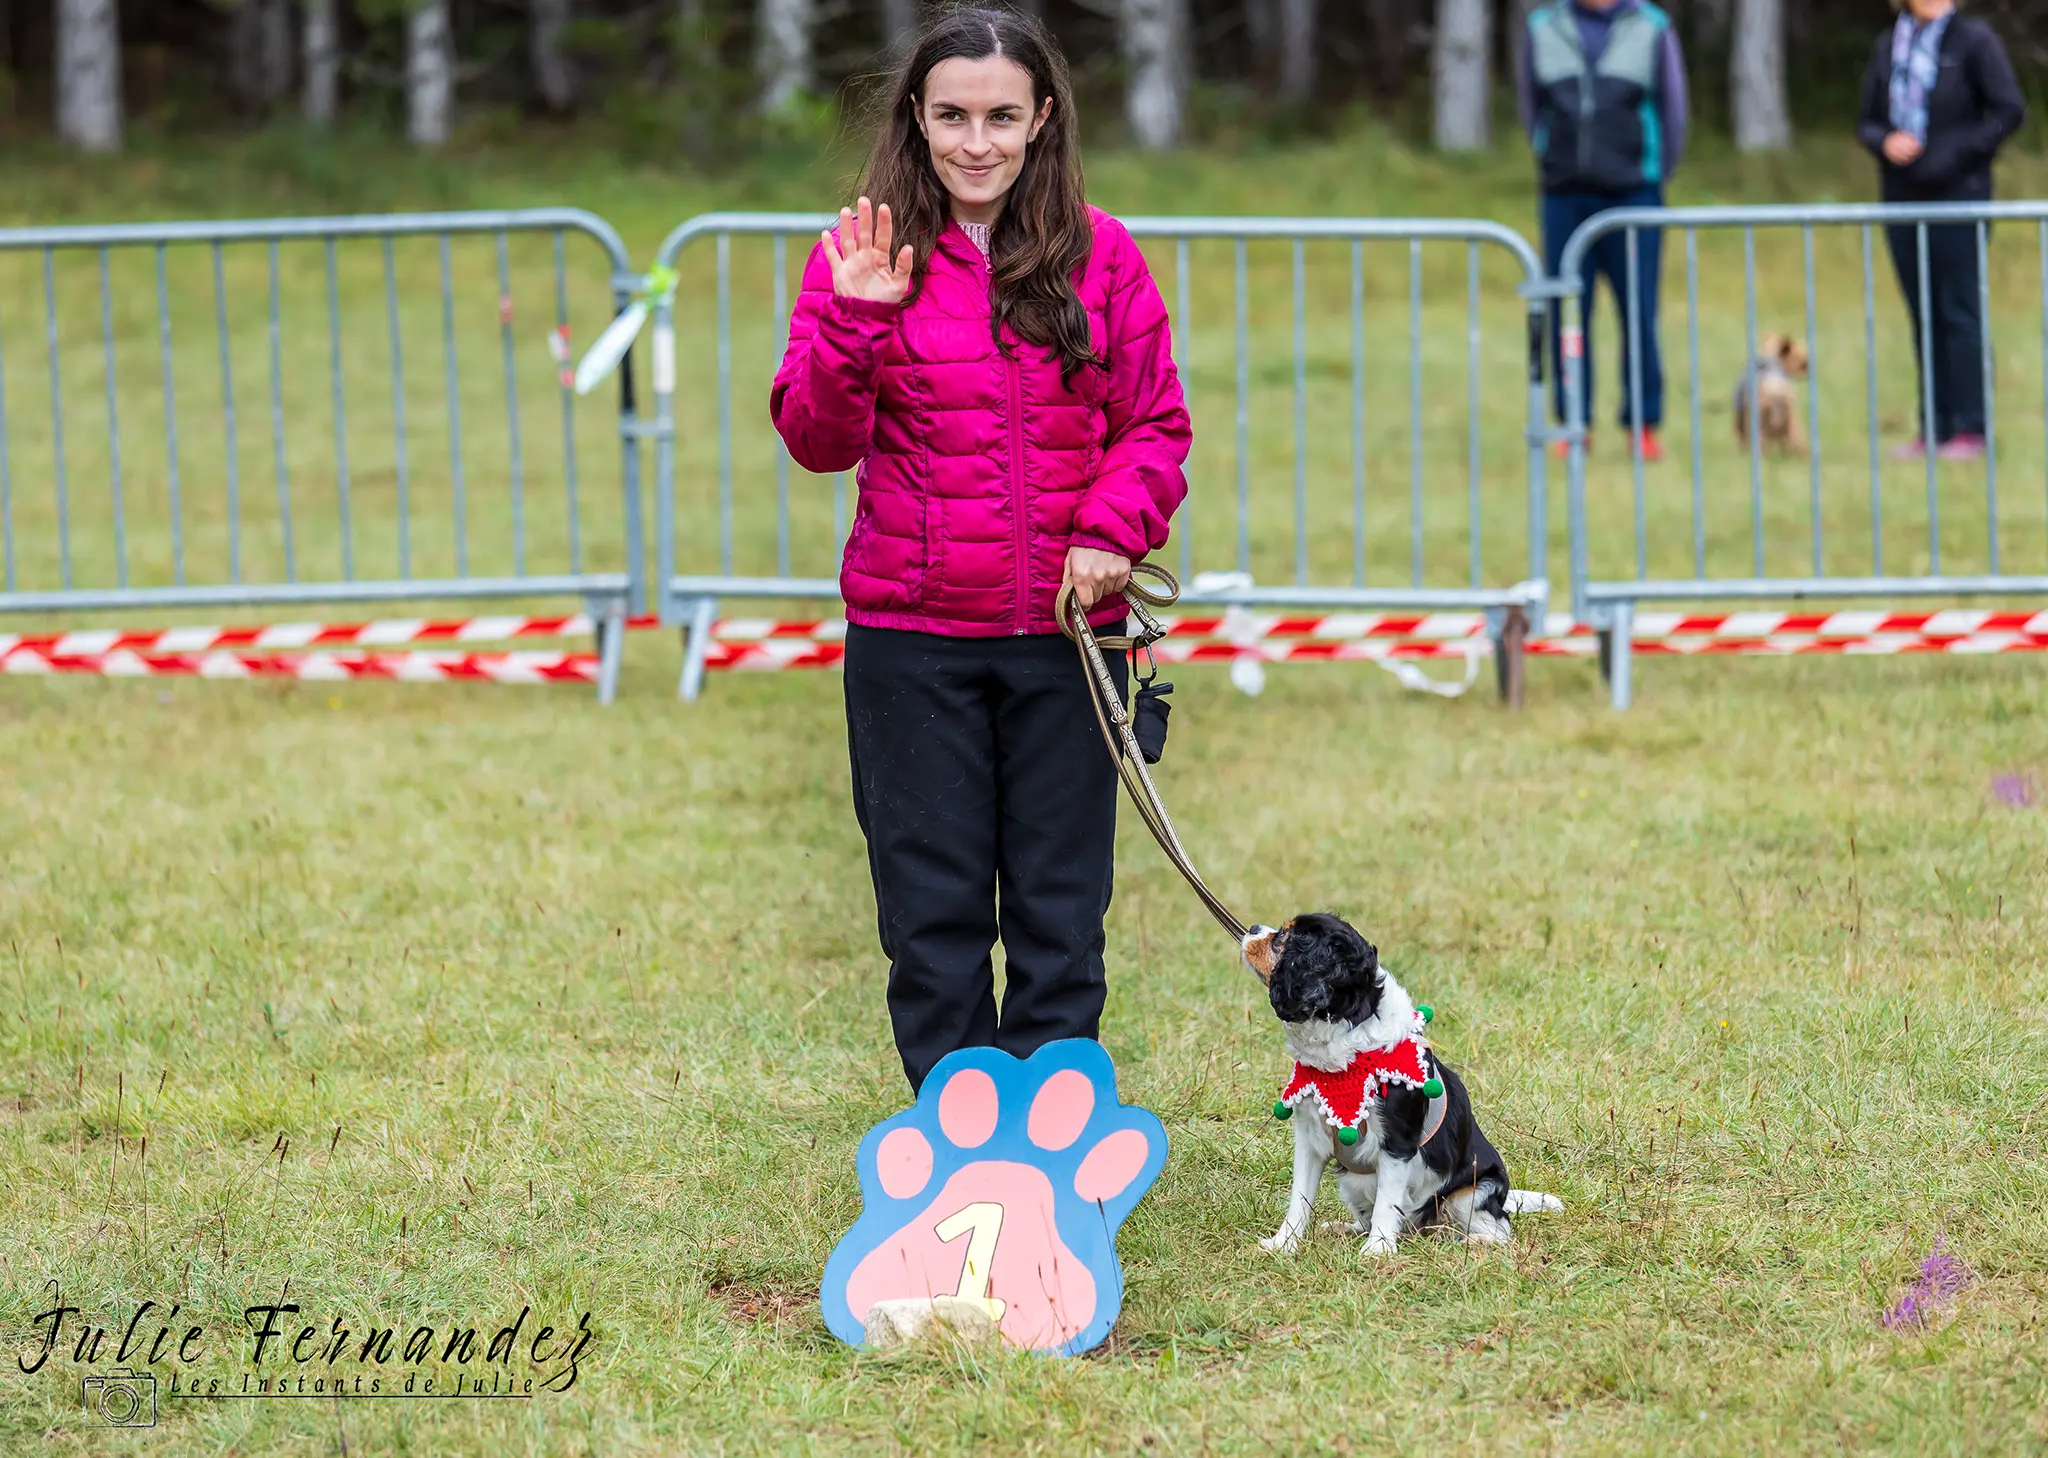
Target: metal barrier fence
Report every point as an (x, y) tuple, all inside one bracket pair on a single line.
[(1770, 538), (1302, 491), (259, 439), (1369, 459)]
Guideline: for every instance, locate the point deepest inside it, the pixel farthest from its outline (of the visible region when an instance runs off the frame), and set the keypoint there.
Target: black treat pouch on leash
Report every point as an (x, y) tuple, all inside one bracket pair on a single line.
[(1149, 713)]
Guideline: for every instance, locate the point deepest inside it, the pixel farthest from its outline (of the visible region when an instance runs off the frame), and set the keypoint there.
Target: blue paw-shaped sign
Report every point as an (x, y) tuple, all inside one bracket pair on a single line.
[(1003, 1186)]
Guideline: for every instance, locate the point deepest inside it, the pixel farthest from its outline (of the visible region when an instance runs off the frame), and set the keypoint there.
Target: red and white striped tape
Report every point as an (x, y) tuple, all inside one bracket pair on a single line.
[(1874, 623), (386, 633), (1586, 645), (334, 667), (754, 630), (768, 654), (767, 644), (1783, 644), (1238, 630), (779, 653), (1337, 627), (1438, 627), (1247, 629)]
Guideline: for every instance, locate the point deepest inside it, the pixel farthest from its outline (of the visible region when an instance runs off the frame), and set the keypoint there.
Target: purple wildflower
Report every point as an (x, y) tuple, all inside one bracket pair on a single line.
[(1942, 1278), (2016, 792)]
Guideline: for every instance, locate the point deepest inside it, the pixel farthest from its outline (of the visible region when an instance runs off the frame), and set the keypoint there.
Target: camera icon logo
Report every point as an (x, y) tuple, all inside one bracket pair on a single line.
[(120, 1399)]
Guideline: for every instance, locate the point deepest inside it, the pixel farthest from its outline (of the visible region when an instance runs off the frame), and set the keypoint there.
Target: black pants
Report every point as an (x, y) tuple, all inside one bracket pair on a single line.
[(989, 805), (1956, 307)]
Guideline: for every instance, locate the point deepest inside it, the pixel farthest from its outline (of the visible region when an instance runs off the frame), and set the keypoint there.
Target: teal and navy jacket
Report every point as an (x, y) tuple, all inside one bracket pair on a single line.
[(1602, 95)]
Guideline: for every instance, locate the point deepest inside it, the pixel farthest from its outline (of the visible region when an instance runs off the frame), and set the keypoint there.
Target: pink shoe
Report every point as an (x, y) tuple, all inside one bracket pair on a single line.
[(1911, 450), (1968, 447)]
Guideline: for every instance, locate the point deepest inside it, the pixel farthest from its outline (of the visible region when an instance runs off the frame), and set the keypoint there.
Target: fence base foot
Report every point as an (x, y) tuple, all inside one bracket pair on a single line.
[(1621, 654), (611, 649), (696, 648), (1508, 658)]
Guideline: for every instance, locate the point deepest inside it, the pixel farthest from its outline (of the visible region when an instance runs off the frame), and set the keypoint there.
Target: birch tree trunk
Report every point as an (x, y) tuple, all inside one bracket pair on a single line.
[(1462, 83), (783, 53), (1756, 77), (1156, 50), (429, 74), (1297, 51), (553, 76), (89, 74), (320, 56), (899, 26)]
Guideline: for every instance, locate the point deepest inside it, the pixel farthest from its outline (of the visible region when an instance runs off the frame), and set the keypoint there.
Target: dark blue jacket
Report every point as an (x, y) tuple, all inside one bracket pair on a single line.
[(1975, 104), (1603, 96)]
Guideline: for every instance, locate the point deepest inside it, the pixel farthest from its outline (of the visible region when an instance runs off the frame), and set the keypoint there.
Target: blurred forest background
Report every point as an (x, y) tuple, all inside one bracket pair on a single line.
[(709, 79)]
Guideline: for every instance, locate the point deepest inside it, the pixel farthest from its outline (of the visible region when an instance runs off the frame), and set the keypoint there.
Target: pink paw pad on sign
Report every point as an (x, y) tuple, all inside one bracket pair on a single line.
[(1003, 1186)]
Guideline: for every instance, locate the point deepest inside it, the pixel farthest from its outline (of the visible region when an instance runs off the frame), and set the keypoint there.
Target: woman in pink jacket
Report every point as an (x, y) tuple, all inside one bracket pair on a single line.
[(991, 356)]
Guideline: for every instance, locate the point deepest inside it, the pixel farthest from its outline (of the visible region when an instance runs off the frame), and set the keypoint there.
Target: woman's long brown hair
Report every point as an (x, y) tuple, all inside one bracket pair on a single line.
[(1042, 237)]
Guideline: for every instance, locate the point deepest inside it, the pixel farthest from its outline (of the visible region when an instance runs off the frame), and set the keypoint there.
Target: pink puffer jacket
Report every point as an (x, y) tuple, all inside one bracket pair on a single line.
[(977, 471)]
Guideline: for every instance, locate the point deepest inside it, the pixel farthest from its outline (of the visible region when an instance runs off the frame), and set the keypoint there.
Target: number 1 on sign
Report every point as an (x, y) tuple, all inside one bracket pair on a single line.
[(985, 1219)]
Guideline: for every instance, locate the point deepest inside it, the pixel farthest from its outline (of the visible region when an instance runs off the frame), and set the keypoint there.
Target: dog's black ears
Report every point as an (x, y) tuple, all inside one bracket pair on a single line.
[(1326, 969), (1339, 939)]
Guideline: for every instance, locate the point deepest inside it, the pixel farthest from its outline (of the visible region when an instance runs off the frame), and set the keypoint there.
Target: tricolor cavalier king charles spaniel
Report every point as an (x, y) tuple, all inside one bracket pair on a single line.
[(1369, 1092)]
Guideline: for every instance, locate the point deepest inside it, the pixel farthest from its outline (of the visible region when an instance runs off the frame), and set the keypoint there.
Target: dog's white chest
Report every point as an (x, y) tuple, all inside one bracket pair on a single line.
[(1362, 1157)]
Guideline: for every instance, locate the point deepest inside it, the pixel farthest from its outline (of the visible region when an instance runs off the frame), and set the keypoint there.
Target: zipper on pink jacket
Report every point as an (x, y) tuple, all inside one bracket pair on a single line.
[(1016, 377), (1017, 492)]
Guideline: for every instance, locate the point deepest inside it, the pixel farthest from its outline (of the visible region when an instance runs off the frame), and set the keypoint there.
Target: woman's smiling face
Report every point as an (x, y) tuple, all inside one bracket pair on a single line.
[(978, 118)]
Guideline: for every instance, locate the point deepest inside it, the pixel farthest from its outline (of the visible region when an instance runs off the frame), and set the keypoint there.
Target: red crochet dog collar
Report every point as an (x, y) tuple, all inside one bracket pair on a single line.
[(1344, 1094)]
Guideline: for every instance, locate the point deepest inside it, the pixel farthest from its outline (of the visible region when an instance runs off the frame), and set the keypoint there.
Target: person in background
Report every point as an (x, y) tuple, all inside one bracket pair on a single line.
[(1938, 100), (1602, 94)]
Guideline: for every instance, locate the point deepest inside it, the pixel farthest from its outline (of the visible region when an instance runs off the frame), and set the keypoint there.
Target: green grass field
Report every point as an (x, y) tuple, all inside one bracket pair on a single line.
[(418, 1006)]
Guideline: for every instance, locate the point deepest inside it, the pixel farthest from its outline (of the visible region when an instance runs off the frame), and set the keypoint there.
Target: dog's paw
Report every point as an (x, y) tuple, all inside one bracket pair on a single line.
[(1003, 1187), (1341, 1227), (1489, 1230), (1378, 1246), (1280, 1243)]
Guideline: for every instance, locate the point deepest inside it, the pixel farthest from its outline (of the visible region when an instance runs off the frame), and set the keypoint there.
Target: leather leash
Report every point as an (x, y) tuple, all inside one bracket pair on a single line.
[(1115, 720)]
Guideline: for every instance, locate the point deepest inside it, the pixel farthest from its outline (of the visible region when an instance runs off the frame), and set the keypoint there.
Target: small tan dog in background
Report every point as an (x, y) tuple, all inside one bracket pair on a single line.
[(1780, 360)]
